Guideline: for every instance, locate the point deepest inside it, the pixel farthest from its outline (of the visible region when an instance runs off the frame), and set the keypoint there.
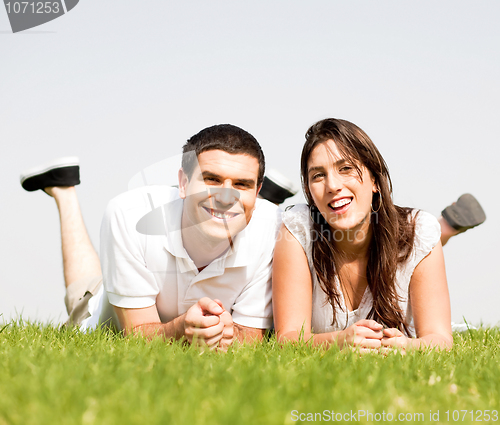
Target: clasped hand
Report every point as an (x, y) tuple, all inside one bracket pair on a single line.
[(208, 323), (370, 335)]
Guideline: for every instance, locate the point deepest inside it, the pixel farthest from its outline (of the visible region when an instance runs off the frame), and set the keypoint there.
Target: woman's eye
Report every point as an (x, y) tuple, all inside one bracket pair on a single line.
[(317, 176), (346, 169)]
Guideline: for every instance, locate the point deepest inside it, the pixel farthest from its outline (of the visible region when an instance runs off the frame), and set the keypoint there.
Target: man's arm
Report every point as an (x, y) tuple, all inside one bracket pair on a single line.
[(234, 331), (246, 334), (201, 324), (132, 287)]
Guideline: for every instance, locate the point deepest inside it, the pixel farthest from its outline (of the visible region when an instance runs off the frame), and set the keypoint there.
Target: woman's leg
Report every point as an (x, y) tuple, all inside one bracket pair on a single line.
[(460, 216), (446, 231)]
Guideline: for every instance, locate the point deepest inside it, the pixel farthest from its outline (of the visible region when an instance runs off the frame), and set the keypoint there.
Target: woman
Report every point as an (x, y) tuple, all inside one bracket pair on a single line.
[(351, 268)]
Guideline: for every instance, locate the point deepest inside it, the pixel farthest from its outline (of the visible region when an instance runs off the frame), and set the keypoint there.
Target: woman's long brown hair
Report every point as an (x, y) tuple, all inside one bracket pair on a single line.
[(393, 228)]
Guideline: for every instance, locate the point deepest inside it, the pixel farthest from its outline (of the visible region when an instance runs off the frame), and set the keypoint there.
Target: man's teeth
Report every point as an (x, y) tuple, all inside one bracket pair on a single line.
[(340, 203), (222, 215)]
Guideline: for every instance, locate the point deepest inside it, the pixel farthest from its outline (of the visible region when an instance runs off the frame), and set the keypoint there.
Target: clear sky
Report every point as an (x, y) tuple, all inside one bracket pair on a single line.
[(122, 85)]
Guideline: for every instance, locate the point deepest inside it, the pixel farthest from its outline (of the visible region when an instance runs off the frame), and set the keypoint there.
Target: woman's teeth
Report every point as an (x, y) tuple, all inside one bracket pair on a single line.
[(340, 203)]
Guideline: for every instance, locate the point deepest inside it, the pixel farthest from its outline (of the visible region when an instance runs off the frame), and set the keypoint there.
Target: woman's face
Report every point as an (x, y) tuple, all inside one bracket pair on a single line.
[(343, 198)]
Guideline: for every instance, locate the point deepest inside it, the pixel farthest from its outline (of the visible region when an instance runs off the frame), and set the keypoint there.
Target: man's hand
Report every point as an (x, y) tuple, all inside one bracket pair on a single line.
[(203, 324), (363, 334), (228, 333)]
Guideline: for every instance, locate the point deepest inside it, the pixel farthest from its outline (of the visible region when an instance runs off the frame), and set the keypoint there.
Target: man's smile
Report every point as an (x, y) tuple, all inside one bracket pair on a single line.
[(221, 215)]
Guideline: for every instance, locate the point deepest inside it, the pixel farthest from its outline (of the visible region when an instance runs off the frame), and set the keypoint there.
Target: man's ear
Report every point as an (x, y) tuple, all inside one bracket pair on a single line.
[(258, 189), (183, 182)]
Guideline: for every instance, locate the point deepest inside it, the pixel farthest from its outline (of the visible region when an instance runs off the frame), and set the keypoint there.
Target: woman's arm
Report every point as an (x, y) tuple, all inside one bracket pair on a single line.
[(292, 301), (430, 304), (292, 289)]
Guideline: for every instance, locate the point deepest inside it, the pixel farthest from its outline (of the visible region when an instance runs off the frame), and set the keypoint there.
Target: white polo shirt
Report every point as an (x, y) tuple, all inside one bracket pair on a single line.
[(144, 261)]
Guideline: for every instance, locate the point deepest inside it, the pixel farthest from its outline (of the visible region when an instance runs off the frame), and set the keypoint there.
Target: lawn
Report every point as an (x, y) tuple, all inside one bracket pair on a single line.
[(61, 376)]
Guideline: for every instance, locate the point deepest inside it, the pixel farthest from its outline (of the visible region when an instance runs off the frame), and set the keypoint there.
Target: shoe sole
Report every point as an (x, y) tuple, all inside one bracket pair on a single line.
[(465, 214), (67, 161)]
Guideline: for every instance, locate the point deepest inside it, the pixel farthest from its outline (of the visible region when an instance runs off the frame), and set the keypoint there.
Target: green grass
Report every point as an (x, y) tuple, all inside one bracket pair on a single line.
[(62, 376)]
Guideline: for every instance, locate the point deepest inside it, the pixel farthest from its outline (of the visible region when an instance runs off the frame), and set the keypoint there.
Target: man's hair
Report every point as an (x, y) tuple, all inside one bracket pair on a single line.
[(224, 137)]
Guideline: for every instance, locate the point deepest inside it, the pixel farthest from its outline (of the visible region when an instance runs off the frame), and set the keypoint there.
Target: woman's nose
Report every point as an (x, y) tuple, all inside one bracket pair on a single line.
[(333, 182)]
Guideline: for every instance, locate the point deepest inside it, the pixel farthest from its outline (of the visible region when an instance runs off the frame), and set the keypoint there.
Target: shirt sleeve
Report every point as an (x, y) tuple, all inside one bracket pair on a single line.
[(253, 306), (298, 222), (427, 236), (127, 281)]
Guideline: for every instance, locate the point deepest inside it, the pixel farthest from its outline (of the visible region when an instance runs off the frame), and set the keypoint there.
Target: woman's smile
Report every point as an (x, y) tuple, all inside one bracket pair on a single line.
[(340, 206)]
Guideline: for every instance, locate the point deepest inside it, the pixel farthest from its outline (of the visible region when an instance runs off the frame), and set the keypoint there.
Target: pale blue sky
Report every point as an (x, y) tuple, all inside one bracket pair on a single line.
[(124, 84)]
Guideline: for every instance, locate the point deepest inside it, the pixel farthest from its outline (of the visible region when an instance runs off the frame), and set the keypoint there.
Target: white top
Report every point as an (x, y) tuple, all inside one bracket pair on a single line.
[(143, 264), (427, 234)]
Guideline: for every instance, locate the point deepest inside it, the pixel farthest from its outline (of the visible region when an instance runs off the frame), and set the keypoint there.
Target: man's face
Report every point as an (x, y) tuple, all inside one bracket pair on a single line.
[(219, 198)]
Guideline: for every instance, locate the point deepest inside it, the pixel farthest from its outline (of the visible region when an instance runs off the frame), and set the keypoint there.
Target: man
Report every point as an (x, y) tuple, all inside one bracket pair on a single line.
[(204, 273)]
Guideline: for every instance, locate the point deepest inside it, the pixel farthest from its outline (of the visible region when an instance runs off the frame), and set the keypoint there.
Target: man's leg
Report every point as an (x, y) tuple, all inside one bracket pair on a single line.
[(80, 259), (81, 265)]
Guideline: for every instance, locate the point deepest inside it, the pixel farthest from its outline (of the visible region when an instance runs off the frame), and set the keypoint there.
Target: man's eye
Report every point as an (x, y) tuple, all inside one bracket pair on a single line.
[(210, 180)]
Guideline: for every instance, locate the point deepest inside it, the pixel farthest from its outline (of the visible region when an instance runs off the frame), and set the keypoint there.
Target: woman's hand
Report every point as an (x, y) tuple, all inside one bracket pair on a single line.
[(395, 338), (363, 334)]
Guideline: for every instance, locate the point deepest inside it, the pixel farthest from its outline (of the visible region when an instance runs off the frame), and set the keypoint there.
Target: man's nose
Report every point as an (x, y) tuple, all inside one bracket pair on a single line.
[(226, 196)]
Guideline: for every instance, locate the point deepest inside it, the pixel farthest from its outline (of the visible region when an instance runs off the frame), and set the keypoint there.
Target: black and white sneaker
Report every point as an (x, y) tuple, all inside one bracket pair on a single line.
[(464, 214), (59, 172), (276, 188)]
